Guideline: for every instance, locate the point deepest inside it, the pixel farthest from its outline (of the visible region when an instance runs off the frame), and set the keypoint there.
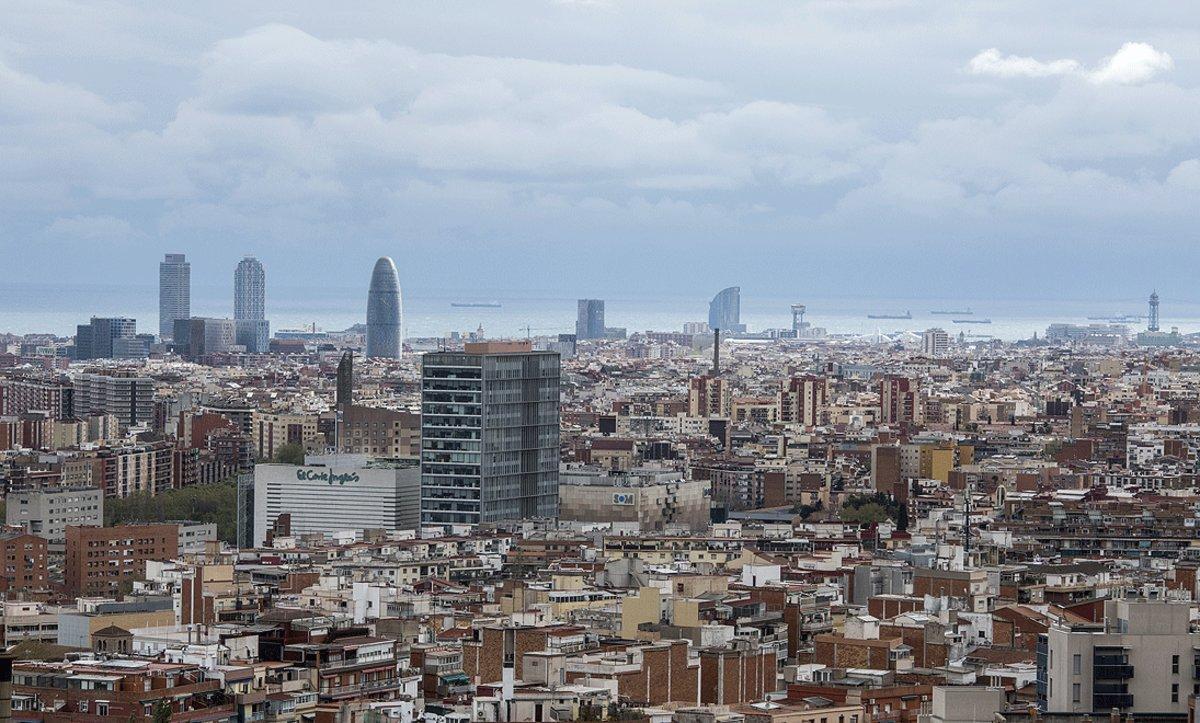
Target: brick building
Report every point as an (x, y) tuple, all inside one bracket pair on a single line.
[(101, 561), (24, 557)]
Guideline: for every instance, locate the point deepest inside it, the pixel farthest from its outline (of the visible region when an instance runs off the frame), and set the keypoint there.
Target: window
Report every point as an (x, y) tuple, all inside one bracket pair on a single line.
[(1174, 692), (101, 707), (1076, 664), (1174, 665)]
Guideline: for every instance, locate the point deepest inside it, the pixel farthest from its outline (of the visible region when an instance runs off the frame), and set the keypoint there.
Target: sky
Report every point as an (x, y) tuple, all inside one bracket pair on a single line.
[(596, 147)]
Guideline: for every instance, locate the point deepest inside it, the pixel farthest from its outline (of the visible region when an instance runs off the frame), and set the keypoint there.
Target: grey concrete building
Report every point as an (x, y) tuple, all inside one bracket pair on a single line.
[(489, 434), (48, 512)]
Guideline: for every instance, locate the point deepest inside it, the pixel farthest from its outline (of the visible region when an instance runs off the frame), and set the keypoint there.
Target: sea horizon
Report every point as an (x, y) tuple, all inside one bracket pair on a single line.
[(522, 311)]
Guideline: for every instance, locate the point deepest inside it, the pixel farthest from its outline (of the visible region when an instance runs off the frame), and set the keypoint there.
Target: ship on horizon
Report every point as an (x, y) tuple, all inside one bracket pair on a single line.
[(947, 312), (1118, 318), (476, 304), (971, 321), (905, 315)]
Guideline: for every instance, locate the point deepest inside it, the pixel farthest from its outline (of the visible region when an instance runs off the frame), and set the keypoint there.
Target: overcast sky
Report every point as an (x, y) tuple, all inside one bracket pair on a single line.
[(597, 147)]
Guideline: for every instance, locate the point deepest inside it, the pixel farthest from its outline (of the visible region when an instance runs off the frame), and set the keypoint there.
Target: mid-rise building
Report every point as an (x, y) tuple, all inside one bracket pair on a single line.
[(1140, 658), (128, 398), (103, 337), (490, 433), (589, 322), (25, 557), (104, 561), (647, 500), (709, 396), (253, 331), (341, 497), (48, 512), (379, 432), (802, 400), (174, 292), (20, 395), (273, 430), (197, 337), (898, 400)]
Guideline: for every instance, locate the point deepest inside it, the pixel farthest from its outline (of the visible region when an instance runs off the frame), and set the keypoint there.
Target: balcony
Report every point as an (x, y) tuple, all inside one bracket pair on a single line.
[(1107, 701), (1112, 672), (365, 688)]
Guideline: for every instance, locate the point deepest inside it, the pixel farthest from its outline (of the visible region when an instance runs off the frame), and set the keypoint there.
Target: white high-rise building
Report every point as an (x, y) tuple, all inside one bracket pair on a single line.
[(249, 305), (174, 293), (935, 342)]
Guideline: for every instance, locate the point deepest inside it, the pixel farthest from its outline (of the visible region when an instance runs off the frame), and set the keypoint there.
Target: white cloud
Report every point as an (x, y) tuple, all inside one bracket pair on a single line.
[(992, 62), (1132, 63)]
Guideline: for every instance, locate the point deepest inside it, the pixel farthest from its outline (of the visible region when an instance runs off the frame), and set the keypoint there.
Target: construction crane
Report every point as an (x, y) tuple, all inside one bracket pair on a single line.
[(530, 329)]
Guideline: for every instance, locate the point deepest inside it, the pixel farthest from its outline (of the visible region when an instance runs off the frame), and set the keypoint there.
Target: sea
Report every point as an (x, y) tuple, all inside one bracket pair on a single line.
[(45, 308)]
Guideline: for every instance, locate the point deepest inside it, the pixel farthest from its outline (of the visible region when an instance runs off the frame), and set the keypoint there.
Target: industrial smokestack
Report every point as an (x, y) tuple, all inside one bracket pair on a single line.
[(716, 370)]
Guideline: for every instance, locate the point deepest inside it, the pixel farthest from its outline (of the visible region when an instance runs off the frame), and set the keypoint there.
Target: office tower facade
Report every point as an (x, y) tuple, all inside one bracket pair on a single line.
[(589, 321), (935, 342), (174, 292), (200, 336), (725, 311), (128, 398), (385, 315), (103, 338), (250, 305), (489, 434)]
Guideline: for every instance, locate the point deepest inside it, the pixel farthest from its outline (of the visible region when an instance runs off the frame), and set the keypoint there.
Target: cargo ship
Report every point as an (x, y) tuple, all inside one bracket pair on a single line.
[(943, 312), (905, 315), (971, 321), (475, 304)]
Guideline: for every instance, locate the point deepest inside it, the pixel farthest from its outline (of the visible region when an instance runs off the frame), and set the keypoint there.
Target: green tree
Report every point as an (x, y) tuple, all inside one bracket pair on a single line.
[(290, 454), (203, 503), (864, 514), (877, 507), (162, 711)]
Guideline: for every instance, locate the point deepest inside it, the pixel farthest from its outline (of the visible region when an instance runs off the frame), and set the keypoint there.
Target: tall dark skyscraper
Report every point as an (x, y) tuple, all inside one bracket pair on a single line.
[(345, 380), (489, 433), (589, 323), (725, 310), (385, 316), (250, 305), (174, 292)]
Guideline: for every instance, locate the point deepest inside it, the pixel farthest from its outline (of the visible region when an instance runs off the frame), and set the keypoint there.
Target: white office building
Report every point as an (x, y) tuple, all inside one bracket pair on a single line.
[(340, 497)]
